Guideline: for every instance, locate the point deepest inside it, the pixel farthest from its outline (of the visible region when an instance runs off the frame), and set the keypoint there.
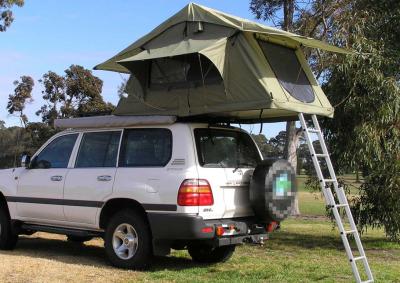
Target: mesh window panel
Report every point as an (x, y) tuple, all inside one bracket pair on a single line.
[(183, 71), (288, 71)]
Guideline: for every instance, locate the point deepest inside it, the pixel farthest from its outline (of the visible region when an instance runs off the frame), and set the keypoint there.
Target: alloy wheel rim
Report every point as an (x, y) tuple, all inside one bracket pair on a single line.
[(125, 241)]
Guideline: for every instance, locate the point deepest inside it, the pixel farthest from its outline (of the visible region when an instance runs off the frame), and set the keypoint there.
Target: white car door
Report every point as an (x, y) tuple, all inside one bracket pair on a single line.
[(91, 179), (40, 188)]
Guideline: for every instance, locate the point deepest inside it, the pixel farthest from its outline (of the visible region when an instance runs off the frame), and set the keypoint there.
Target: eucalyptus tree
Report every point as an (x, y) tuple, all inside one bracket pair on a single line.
[(6, 14)]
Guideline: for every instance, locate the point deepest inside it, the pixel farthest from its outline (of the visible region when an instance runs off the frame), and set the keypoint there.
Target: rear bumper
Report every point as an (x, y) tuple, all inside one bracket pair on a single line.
[(193, 227)]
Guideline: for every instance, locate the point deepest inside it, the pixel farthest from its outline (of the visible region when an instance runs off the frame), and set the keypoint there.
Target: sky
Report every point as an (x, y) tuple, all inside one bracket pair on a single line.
[(52, 35)]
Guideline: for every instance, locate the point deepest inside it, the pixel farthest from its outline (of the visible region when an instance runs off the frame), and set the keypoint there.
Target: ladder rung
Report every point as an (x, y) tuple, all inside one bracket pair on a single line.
[(342, 205), (321, 155), (313, 131), (350, 232), (330, 180), (358, 258)]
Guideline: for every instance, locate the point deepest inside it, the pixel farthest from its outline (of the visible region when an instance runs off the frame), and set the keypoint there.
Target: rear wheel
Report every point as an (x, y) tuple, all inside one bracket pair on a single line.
[(128, 240), (208, 254), (8, 239)]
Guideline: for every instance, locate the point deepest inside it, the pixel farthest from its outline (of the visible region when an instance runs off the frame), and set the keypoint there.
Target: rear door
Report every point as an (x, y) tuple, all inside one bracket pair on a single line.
[(92, 178), (227, 159)]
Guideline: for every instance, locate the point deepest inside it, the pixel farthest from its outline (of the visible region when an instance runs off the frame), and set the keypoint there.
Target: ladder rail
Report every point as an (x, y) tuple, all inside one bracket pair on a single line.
[(330, 199)]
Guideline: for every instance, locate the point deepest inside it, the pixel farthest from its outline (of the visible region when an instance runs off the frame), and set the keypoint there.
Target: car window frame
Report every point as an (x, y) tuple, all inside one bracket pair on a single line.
[(121, 150), (79, 143)]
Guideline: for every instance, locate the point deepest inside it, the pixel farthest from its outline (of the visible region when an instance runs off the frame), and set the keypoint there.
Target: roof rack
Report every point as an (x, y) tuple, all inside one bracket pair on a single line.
[(112, 121)]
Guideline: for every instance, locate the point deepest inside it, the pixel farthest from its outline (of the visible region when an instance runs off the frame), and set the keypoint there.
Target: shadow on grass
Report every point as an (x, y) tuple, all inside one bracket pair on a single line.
[(310, 241), (88, 255)]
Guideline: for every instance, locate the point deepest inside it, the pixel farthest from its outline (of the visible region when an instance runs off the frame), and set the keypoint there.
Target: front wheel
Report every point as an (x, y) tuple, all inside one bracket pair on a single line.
[(128, 240), (8, 239), (208, 254)]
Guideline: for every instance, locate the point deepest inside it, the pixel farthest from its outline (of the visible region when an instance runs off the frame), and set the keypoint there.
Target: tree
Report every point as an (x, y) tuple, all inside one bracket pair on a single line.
[(6, 15), (22, 95), (76, 94), (54, 95), (364, 89), (83, 93), (365, 132)]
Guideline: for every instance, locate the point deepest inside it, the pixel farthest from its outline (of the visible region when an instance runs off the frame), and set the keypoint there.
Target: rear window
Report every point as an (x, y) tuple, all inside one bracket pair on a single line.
[(146, 148), (225, 149)]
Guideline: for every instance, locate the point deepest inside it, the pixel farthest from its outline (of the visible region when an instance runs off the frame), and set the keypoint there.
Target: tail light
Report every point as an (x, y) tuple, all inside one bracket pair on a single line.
[(195, 192)]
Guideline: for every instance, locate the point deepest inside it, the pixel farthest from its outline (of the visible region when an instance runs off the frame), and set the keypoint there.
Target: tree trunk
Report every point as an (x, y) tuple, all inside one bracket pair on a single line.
[(290, 153)]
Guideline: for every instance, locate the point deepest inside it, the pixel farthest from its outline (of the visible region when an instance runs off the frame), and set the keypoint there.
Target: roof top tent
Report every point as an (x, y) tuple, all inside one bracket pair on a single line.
[(202, 63)]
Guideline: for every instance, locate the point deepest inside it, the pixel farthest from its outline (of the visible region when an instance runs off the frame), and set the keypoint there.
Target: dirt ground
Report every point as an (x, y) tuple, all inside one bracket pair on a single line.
[(50, 258)]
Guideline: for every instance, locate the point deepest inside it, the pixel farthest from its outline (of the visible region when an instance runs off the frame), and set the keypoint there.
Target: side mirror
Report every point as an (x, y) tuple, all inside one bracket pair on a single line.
[(25, 161)]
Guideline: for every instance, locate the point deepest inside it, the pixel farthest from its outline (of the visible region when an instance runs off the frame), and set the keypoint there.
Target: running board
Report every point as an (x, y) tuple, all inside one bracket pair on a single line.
[(60, 230)]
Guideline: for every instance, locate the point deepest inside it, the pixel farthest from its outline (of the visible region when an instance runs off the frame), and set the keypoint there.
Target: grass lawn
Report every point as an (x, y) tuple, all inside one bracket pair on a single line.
[(305, 249)]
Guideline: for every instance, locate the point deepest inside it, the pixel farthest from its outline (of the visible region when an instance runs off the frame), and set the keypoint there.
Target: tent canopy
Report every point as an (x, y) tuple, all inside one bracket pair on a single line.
[(205, 63)]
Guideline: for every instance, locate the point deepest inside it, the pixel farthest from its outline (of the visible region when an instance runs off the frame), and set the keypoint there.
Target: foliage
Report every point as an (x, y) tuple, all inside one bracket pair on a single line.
[(76, 94), (365, 133), (22, 95), (6, 15)]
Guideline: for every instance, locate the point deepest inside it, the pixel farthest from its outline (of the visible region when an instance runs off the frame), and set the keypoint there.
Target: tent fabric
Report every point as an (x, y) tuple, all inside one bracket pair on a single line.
[(197, 13), (204, 63)]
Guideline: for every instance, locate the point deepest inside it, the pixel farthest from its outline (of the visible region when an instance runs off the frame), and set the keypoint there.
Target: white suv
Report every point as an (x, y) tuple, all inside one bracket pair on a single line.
[(146, 189)]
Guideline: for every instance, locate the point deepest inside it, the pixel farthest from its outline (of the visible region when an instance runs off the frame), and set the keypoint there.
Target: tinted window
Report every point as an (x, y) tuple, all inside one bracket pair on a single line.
[(288, 71), (56, 154), (98, 150), (226, 149), (146, 147)]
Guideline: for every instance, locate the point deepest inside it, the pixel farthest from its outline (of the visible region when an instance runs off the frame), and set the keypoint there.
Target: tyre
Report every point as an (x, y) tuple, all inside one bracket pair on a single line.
[(78, 239), (273, 190), (8, 239), (128, 240), (208, 254)]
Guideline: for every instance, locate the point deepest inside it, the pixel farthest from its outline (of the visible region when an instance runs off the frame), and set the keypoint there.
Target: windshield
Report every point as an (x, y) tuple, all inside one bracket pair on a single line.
[(225, 149)]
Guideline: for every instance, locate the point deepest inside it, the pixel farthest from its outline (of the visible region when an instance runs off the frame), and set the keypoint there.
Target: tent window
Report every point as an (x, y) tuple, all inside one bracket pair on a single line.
[(288, 70), (182, 72)]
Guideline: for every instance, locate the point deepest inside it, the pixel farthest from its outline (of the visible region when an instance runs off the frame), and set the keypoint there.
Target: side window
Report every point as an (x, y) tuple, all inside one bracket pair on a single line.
[(146, 148), (98, 149), (56, 154)]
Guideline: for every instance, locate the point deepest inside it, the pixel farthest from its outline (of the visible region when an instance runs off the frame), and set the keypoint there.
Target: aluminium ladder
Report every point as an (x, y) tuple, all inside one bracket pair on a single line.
[(330, 199)]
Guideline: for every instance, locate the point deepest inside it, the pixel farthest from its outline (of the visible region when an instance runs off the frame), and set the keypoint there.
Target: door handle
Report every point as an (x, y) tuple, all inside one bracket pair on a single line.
[(56, 178), (104, 178)]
